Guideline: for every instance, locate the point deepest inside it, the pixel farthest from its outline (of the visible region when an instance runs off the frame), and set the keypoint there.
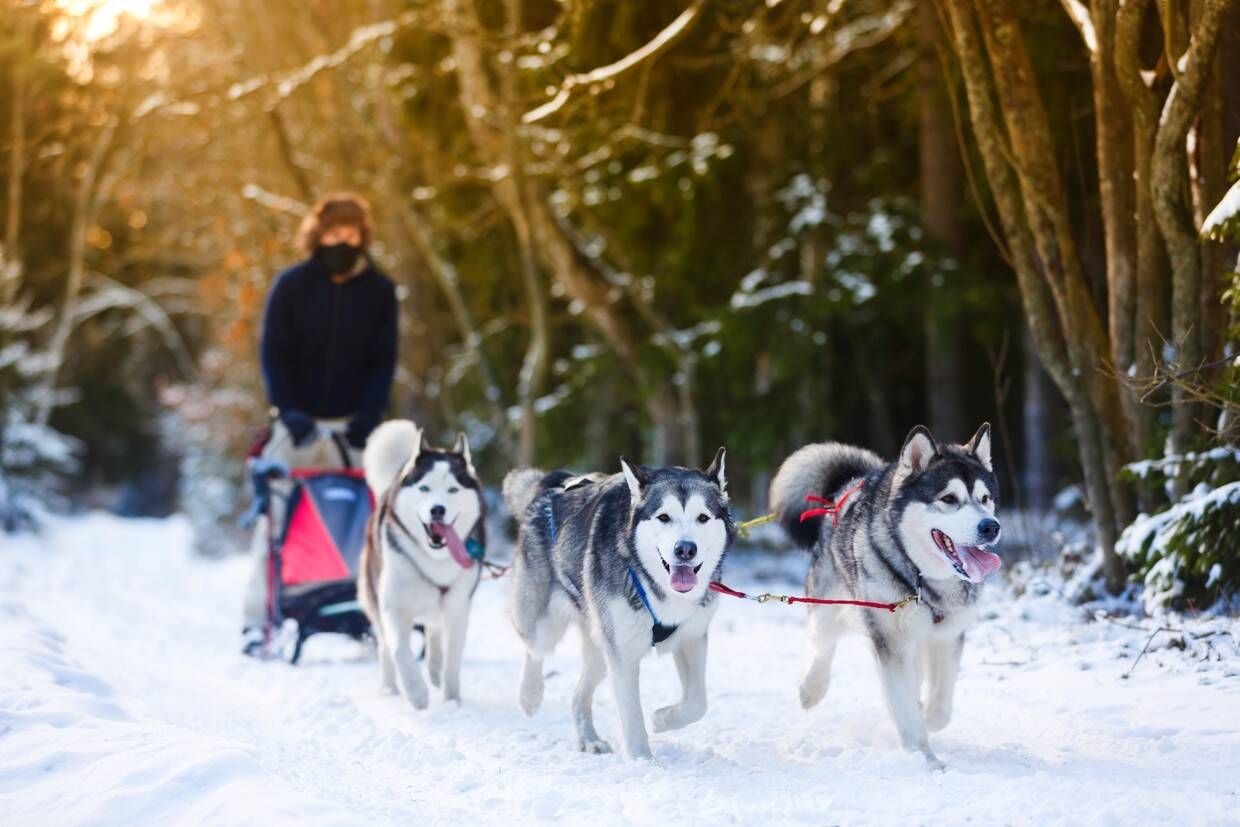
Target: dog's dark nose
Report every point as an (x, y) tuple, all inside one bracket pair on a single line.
[(437, 512), (686, 550), (988, 529)]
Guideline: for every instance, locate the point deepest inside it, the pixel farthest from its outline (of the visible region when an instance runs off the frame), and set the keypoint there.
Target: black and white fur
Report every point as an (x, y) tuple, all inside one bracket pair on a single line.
[(905, 532), (407, 576), (649, 520)]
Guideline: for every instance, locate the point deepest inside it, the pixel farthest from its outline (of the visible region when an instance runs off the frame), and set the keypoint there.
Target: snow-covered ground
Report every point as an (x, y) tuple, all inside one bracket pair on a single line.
[(123, 700)]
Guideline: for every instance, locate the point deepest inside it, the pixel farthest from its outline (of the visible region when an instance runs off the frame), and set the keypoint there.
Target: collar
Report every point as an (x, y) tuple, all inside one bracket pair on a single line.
[(659, 632)]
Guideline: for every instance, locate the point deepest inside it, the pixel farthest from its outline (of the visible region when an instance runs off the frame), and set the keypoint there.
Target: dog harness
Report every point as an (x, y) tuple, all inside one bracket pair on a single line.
[(659, 632)]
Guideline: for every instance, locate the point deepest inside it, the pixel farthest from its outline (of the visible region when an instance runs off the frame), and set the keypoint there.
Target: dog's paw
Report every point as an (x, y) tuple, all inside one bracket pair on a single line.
[(933, 763), (594, 746), (675, 717), (812, 692), (419, 697)]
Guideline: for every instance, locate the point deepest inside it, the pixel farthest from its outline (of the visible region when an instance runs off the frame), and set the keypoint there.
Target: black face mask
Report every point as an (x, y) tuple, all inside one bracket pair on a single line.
[(338, 258)]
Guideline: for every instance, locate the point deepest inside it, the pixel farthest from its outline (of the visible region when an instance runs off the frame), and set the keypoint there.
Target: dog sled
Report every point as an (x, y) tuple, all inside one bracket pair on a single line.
[(316, 528)]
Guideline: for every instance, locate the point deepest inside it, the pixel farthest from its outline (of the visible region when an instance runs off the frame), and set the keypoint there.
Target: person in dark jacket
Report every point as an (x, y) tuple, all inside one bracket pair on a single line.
[(328, 354), (329, 330)]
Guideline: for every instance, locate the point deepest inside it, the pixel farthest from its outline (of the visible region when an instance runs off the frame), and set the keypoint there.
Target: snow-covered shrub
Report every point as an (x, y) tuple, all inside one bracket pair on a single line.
[(1189, 554), (208, 425), (34, 457)]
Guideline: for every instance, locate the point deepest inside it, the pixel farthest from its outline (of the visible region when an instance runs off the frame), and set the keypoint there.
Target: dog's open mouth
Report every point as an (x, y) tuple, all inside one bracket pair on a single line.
[(684, 576), (439, 535), (972, 563)]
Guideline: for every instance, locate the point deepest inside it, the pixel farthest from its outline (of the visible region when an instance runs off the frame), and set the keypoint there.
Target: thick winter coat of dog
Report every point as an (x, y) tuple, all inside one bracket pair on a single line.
[(628, 558), (921, 526), (416, 568)]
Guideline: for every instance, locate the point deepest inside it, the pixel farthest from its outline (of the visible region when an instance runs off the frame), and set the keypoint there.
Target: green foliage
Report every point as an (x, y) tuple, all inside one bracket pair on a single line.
[(1188, 555)]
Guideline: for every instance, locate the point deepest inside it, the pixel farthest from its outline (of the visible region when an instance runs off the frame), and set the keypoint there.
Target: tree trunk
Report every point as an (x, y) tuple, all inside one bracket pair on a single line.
[(1044, 309), (1149, 321), (1169, 184), (17, 155), (1114, 145), (939, 173), (86, 200)]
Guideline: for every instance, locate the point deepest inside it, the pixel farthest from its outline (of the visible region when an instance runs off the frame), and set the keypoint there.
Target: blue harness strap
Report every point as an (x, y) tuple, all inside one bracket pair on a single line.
[(548, 509), (659, 632)]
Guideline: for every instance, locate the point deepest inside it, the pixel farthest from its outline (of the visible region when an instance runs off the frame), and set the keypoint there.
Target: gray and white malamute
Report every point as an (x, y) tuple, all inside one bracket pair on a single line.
[(628, 558), (923, 525), (416, 568)]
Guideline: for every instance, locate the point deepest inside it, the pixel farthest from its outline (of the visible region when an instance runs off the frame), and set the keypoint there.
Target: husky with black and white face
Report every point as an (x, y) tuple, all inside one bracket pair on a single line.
[(628, 558), (923, 526), (416, 567)]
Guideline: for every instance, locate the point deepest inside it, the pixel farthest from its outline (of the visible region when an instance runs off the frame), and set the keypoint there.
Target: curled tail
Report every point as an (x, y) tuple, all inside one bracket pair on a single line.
[(822, 470), (387, 451), (520, 488)]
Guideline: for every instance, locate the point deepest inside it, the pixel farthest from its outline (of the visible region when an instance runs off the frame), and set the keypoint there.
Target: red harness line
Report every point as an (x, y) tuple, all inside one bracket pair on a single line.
[(831, 507), (716, 586), (825, 506)]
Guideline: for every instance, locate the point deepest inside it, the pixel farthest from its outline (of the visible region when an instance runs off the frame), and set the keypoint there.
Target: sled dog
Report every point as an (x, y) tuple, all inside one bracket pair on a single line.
[(921, 526), (416, 567), (628, 559)]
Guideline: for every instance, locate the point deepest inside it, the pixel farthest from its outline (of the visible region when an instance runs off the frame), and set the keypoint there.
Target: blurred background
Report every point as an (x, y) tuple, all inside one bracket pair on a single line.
[(648, 228)]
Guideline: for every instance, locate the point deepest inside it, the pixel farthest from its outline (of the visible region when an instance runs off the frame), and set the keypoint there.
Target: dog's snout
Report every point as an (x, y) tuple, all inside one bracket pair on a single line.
[(988, 529), (437, 513), (686, 550)]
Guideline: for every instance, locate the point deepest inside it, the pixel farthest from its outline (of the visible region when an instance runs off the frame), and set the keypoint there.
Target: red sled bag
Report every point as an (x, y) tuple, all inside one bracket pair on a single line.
[(312, 559)]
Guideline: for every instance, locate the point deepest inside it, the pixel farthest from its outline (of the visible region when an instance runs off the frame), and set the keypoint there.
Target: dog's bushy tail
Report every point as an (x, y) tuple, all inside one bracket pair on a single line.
[(521, 486), (822, 470), (387, 450)]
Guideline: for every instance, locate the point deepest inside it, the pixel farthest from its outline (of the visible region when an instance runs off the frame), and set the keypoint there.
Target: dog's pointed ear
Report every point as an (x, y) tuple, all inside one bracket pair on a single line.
[(919, 448), (717, 472), (979, 446), (422, 444), (635, 476), (461, 446)]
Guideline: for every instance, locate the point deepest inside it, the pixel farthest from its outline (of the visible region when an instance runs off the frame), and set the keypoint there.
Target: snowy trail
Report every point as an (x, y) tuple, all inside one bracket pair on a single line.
[(123, 701)]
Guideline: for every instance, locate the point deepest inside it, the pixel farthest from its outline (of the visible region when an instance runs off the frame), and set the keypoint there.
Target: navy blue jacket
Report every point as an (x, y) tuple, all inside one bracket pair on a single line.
[(329, 350)]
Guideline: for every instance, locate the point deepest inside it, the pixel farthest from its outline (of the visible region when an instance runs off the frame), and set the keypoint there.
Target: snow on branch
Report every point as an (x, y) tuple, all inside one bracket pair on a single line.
[(287, 83), (661, 42), (273, 201), (113, 295), (1084, 23), (1228, 210)]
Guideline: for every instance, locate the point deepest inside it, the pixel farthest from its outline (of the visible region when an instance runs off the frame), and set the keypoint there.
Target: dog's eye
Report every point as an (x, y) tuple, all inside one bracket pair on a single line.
[(424, 488), (949, 499), (663, 518), (985, 499), (453, 490), (703, 518)]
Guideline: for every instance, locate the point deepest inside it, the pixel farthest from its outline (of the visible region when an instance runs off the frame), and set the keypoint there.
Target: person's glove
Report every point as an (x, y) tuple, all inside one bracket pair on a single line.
[(301, 427), (358, 430)]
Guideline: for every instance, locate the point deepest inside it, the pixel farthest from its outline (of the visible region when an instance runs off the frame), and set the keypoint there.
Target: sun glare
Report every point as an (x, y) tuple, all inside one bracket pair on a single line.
[(101, 17)]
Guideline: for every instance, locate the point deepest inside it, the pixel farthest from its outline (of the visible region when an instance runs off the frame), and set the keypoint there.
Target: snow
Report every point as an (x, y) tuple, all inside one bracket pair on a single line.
[(123, 700), (1224, 212)]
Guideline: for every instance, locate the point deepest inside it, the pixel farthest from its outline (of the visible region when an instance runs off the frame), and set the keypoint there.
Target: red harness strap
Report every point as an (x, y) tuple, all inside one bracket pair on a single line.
[(716, 586), (831, 507)]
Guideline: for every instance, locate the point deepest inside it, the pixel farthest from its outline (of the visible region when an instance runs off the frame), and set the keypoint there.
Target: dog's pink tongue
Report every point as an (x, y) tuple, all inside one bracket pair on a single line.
[(979, 563), (455, 546), (683, 578)]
